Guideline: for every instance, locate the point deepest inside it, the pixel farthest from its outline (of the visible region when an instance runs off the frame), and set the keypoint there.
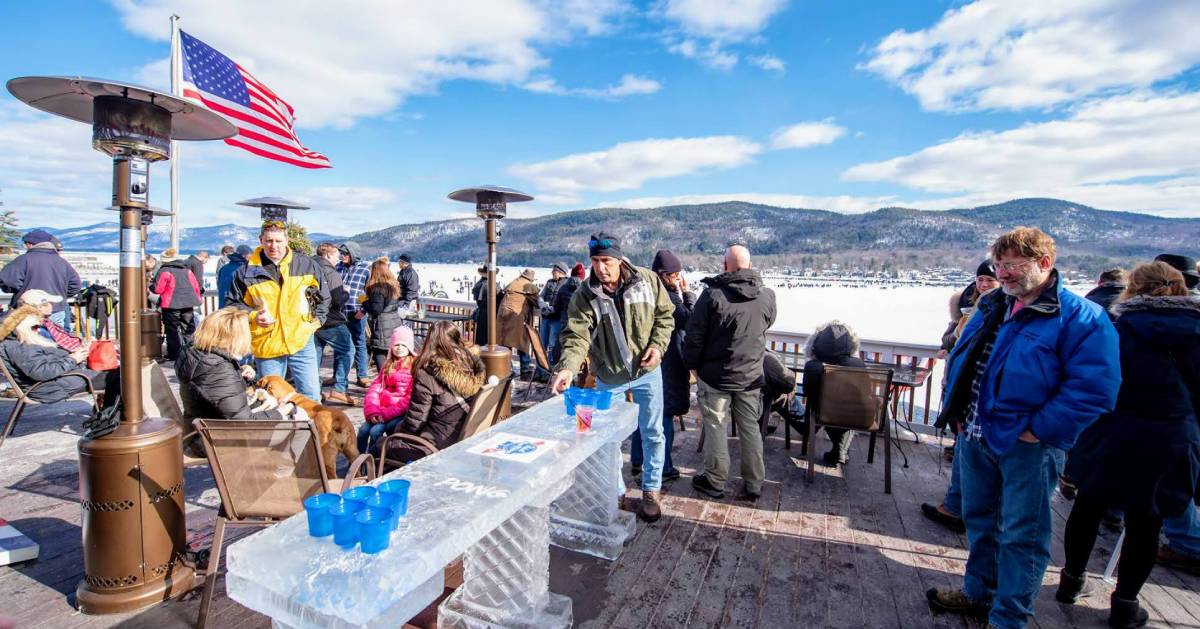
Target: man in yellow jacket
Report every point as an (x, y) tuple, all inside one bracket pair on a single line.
[(283, 289)]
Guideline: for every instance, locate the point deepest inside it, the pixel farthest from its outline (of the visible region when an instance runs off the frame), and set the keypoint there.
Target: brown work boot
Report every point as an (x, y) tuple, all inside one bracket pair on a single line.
[(340, 398), (651, 509), (956, 601), (363, 382)]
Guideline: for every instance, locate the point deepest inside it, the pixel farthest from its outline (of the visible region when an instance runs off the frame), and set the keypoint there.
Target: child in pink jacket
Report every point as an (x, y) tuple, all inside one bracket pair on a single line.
[(388, 396)]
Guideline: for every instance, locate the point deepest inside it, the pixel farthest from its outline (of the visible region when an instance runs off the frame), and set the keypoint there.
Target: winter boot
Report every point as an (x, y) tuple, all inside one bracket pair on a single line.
[(1072, 588), (1126, 614)]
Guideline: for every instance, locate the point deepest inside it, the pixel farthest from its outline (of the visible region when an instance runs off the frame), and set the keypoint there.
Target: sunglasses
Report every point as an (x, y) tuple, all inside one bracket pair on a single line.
[(275, 224), (603, 242)]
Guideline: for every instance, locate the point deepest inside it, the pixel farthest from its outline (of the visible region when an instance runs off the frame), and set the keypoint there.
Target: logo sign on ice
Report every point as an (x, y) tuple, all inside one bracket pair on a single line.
[(513, 447)]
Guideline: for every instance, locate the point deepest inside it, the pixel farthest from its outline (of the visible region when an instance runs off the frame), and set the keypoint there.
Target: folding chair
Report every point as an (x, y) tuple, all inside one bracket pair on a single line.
[(484, 411), (24, 399), (539, 355), (854, 398), (263, 470)]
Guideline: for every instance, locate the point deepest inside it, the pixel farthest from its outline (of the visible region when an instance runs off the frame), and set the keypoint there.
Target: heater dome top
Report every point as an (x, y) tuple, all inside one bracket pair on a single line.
[(471, 195), (71, 97), (273, 202)]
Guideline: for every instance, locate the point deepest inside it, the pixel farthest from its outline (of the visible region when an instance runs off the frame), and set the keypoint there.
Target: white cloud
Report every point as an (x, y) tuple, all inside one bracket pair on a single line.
[(704, 29), (1134, 152), (336, 65), (629, 85), (806, 134), (628, 165), (770, 63), (1011, 54), (347, 198), (843, 203)]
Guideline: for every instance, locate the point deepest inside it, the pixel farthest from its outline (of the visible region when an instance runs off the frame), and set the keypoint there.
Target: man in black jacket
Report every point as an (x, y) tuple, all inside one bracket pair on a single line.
[(41, 267), (410, 283), (724, 344), (195, 263), (1108, 287), (334, 332)]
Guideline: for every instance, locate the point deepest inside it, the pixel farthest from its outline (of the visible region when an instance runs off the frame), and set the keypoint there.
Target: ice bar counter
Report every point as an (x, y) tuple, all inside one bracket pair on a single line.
[(499, 499)]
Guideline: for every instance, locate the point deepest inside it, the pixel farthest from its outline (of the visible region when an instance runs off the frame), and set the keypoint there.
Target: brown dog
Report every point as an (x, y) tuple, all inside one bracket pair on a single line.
[(334, 429)]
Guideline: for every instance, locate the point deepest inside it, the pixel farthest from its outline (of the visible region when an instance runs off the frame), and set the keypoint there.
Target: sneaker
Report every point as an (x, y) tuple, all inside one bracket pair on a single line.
[(651, 510), (748, 496), (1072, 588), (671, 474), (340, 398), (1178, 560), (938, 514), (955, 602), (701, 484), (363, 383), (831, 459)]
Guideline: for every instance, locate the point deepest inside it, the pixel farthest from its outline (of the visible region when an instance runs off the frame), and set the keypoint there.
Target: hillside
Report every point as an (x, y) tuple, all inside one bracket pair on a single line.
[(1089, 239)]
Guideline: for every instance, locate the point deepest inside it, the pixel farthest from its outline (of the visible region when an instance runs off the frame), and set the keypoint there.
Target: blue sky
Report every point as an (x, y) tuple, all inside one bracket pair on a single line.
[(847, 106)]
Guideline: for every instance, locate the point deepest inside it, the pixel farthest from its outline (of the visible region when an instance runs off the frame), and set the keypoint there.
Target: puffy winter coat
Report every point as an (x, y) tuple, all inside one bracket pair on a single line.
[(677, 385), (337, 293), (40, 268), (614, 331), (1053, 369), (833, 343), (1145, 455), (176, 286), (727, 333), (225, 277), (410, 285), (30, 364), (389, 396), (211, 387), (441, 399), (291, 291), (383, 312)]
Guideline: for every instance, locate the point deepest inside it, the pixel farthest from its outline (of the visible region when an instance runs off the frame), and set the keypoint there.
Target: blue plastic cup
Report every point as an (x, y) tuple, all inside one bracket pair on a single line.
[(399, 487), (374, 528), (387, 500), (345, 529), (359, 494), (569, 400), (320, 523), (603, 400)]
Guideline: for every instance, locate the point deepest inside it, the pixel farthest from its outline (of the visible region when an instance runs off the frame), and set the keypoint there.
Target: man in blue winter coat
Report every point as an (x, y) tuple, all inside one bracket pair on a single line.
[(1033, 367), (40, 267)]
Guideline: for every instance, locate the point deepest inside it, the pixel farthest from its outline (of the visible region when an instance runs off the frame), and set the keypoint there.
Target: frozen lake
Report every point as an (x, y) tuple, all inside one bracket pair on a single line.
[(908, 314)]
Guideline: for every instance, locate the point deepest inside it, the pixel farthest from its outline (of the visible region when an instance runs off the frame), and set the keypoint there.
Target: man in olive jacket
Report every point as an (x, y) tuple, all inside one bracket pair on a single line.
[(621, 319)]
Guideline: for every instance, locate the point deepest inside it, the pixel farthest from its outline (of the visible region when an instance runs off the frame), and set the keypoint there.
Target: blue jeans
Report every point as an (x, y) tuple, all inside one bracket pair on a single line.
[(360, 345), (548, 331), (635, 447), (1183, 533), (303, 366), (648, 395), (953, 500), (369, 434), (1006, 507), (337, 337)]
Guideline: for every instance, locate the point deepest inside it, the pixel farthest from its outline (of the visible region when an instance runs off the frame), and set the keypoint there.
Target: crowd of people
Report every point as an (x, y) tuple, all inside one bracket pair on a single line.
[(1045, 390)]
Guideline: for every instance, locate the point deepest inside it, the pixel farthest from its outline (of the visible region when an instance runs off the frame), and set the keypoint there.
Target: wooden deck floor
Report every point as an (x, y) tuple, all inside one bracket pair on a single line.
[(836, 553)]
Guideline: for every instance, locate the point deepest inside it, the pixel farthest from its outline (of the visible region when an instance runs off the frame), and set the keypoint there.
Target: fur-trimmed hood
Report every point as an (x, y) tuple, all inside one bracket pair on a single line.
[(1147, 302), (464, 382), (25, 318), (830, 339)]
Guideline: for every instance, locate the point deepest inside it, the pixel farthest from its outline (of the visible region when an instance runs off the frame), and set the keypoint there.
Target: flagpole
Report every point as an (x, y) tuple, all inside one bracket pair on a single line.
[(176, 90)]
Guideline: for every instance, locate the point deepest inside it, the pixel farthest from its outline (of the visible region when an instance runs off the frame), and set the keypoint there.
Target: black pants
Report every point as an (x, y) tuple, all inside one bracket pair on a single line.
[(179, 325), (1138, 553)]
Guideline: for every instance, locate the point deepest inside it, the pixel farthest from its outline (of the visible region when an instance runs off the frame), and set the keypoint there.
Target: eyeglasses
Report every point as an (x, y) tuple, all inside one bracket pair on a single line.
[(275, 224), (603, 242), (1011, 267)]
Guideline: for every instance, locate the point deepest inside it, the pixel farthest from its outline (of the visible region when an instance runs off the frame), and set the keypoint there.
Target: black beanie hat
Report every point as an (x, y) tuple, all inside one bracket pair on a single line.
[(666, 262), (602, 244), (985, 268)]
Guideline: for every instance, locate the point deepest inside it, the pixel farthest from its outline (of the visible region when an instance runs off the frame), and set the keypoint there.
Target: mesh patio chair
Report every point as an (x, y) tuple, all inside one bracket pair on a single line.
[(263, 470), (24, 399), (485, 409), (854, 398)]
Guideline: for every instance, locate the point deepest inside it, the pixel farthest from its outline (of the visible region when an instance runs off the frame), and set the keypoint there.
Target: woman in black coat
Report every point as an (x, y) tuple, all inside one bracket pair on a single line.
[(212, 381), (382, 305), (833, 343), (1144, 456)]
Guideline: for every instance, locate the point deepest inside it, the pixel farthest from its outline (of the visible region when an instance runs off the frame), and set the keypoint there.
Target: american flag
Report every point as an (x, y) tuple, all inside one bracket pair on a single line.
[(263, 120)]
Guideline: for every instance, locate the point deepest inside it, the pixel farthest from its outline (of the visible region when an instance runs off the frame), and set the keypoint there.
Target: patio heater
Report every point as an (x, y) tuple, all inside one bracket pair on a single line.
[(151, 319), (131, 480), (491, 204), (273, 208)]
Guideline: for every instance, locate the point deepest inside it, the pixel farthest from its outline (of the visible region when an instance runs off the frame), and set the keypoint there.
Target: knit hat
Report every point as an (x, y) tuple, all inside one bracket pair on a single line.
[(579, 270), (561, 267), (243, 250), (666, 262), (37, 237), (602, 244), (403, 335), (1183, 264), (985, 268), (405, 258)]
